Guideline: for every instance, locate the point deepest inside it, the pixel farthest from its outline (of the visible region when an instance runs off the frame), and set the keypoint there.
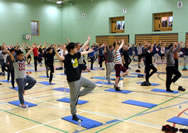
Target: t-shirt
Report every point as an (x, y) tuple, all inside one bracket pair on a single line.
[(35, 51), (117, 57), (81, 60), (163, 50), (148, 58), (186, 51), (139, 50), (101, 51), (170, 56), (19, 68), (49, 58), (72, 69), (9, 63), (109, 55), (125, 54)]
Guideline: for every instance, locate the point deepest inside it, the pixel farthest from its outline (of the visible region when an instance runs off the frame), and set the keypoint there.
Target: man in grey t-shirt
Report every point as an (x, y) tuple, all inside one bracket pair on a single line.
[(172, 74), (108, 50), (21, 78)]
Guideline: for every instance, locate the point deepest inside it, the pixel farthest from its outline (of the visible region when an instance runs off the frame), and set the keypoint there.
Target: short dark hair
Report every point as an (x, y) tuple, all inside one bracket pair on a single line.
[(114, 44), (170, 45), (71, 46), (110, 46), (12, 50), (149, 47), (48, 49), (19, 52)]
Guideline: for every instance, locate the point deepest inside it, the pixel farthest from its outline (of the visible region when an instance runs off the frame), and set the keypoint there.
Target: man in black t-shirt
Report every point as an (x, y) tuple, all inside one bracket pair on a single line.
[(49, 62), (73, 72), (148, 65), (125, 56)]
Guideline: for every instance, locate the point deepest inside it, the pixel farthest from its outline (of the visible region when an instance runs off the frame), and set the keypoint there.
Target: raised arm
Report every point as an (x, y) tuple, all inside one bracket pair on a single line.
[(105, 48), (87, 42), (57, 54), (87, 52), (28, 53), (122, 43), (8, 52), (67, 39)]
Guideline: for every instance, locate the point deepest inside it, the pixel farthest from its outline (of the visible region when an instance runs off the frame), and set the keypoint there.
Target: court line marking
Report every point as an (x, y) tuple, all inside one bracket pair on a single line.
[(46, 125), (129, 82), (147, 113), (116, 123), (40, 125)]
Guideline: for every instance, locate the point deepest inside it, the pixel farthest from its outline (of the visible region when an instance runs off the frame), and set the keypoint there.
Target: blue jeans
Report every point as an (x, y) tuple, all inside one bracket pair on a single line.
[(24, 84)]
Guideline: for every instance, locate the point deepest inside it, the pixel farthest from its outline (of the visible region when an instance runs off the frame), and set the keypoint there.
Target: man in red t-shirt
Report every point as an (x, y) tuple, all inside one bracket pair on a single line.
[(35, 54)]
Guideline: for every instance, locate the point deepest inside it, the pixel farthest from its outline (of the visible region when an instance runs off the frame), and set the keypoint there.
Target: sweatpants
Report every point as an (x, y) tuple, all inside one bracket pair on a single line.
[(127, 63), (24, 84), (92, 59), (110, 68), (11, 73), (101, 59), (51, 68), (47, 69), (147, 71), (35, 62), (185, 60), (170, 71), (75, 91), (176, 64)]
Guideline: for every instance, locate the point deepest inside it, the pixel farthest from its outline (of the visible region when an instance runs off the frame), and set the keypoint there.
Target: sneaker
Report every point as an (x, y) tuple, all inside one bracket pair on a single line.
[(184, 69), (180, 88), (116, 88), (75, 118)]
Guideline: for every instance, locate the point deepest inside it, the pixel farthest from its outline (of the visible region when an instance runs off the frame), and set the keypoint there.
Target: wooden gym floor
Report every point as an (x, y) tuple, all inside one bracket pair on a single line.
[(103, 106)]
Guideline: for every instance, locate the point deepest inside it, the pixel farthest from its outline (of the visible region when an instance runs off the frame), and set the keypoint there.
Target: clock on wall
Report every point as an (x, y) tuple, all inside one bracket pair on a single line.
[(179, 4)]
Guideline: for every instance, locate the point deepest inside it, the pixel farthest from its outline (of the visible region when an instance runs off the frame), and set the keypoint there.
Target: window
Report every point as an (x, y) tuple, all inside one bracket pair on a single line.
[(163, 21), (117, 24), (35, 27)]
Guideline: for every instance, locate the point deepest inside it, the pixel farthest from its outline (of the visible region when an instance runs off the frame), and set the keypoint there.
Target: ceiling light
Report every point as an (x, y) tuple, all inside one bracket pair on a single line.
[(59, 2)]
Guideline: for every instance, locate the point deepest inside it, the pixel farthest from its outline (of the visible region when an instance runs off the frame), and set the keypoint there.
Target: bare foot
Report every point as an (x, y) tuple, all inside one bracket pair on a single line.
[(125, 74)]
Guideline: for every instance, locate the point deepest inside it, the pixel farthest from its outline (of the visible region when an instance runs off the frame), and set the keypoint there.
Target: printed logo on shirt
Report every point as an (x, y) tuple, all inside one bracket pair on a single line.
[(75, 63), (21, 66)]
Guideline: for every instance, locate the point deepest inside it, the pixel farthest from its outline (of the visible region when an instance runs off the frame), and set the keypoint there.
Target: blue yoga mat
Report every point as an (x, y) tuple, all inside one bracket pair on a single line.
[(112, 121), (161, 72), (46, 83), (106, 83), (5, 81), (152, 84), (128, 76), (30, 70), (67, 100), (62, 89), (17, 103), (43, 76), (141, 104), (86, 123), (122, 91), (179, 120), (185, 77), (137, 73), (164, 91), (16, 88), (104, 78), (62, 74)]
